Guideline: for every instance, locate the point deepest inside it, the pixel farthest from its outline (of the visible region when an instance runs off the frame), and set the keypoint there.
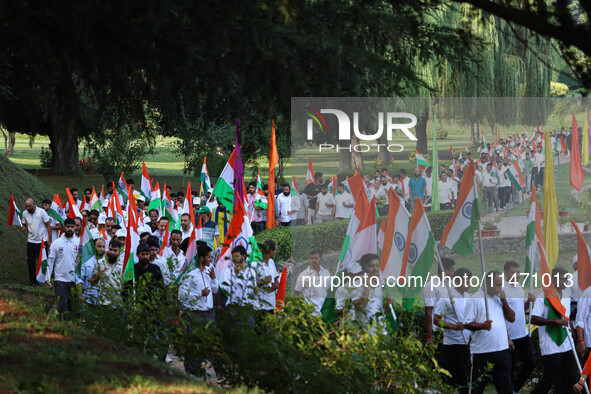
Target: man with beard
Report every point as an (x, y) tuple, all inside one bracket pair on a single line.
[(173, 255), (287, 207), (186, 226), (61, 262), (90, 292), (148, 276), (107, 275), (36, 221)]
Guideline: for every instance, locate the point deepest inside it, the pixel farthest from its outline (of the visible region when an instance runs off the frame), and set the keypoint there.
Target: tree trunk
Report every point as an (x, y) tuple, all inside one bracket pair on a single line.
[(9, 141), (472, 133), (63, 144), (345, 161), (384, 155), (356, 156), (421, 129)]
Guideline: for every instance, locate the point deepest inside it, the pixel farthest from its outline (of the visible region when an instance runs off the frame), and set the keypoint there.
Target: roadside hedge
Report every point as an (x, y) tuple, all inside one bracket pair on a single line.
[(328, 237)]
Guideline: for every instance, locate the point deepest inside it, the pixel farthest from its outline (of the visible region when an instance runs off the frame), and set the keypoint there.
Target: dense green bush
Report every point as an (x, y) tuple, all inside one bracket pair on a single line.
[(328, 237), (441, 133)]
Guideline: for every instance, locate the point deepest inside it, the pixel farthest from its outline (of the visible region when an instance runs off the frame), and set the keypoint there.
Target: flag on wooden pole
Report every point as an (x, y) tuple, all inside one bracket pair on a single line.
[(273, 161)]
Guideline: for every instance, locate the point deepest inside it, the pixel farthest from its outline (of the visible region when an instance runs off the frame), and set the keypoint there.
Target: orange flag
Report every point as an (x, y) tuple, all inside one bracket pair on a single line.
[(273, 161), (583, 259), (576, 167), (280, 299)]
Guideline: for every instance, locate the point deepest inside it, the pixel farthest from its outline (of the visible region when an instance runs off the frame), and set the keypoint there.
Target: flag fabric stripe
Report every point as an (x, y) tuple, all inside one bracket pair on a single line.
[(396, 234), (224, 186), (576, 167), (42, 264), (14, 214), (458, 235), (550, 210), (146, 186)]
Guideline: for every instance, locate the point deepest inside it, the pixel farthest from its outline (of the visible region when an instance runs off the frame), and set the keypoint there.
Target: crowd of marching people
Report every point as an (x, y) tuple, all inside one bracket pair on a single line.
[(100, 246)]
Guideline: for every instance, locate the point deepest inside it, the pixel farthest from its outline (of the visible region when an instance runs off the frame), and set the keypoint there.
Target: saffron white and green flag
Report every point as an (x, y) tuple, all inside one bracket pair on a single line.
[(418, 254), (224, 187), (56, 211), (458, 235), (42, 263), (86, 249)]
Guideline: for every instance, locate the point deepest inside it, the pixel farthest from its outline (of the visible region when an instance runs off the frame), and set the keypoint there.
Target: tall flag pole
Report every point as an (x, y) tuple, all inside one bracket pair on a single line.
[(482, 259), (551, 206), (576, 167), (238, 168), (435, 174), (585, 144), (273, 161)]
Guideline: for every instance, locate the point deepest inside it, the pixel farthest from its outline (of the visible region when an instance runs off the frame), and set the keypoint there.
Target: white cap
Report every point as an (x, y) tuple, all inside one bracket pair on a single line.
[(141, 198), (102, 218), (354, 268), (144, 229), (121, 233), (196, 201)]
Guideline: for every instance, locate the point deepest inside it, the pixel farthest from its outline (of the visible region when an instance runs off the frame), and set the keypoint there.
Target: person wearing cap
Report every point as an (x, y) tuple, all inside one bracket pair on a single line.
[(120, 236), (140, 202), (61, 261), (197, 291), (209, 229)]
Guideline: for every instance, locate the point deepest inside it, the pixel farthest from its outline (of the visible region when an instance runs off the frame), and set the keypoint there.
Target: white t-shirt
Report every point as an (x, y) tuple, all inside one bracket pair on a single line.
[(432, 293), (539, 160), (547, 345), (444, 308), (489, 180), (486, 341), (239, 287), (266, 298), (322, 200), (584, 315), (36, 225), (516, 300), (429, 182), (314, 286), (445, 190), (505, 182), (342, 211)]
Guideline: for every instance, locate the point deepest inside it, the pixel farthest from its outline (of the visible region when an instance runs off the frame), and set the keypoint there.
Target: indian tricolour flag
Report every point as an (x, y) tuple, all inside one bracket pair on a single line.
[(146, 187), (294, 186), (310, 173), (95, 203), (395, 235), (122, 186), (131, 243), (86, 249), (515, 176), (224, 187), (169, 211), (204, 178), (418, 254), (421, 161), (239, 233), (260, 199), (332, 185), (533, 236), (56, 211), (361, 233), (458, 235), (156, 200), (42, 263)]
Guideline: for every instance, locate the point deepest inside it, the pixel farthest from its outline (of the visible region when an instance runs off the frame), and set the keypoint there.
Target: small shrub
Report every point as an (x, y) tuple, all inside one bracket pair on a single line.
[(329, 237), (441, 134), (45, 157), (86, 165)]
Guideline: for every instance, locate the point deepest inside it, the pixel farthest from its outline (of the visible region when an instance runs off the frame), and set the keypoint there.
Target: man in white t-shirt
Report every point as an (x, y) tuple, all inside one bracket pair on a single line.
[(344, 203), (434, 291), (504, 185), (538, 167), (455, 351), (36, 221), (312, 283), (446, 193), (490, 342), (523, 349), (267, 277), (489, 187), (324, 206), (560, 368)]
